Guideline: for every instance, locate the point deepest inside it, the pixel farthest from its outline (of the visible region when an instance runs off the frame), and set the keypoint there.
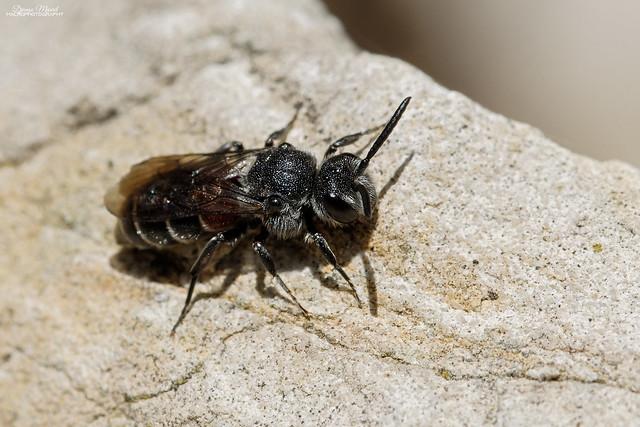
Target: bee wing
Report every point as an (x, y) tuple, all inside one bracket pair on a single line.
[(170, 187)]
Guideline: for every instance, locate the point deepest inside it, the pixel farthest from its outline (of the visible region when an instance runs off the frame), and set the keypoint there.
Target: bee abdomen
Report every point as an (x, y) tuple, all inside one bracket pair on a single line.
[(158, 233), (185, 230)]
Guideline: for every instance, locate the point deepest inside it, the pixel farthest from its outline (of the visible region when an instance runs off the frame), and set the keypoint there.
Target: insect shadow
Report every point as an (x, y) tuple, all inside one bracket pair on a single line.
[(172, 266)]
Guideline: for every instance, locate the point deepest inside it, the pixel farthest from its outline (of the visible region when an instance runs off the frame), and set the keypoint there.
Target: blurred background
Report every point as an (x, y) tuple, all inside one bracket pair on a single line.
[(570, 68)]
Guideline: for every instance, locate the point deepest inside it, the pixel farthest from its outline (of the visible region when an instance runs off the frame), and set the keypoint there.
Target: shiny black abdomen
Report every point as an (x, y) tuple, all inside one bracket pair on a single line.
[(144, 234)]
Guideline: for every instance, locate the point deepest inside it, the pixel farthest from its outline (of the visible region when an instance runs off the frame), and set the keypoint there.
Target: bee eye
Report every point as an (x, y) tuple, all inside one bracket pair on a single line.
[(339, 210)]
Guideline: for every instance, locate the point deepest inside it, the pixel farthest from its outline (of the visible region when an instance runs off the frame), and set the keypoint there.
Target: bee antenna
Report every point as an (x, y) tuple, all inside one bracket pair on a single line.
[(383, 135)]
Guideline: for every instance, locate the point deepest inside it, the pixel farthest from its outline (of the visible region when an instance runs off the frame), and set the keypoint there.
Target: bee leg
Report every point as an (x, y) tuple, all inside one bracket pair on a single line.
[(267, 261), (230, 147), (280, 135), (200, 263), (348, 140), (319, 240)]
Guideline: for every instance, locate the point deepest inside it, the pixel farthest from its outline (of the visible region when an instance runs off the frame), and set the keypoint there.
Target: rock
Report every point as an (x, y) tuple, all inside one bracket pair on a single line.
[(500, 279)]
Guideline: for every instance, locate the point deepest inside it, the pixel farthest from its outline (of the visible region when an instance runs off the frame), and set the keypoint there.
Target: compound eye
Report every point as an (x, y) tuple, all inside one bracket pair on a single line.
[(339, 210)]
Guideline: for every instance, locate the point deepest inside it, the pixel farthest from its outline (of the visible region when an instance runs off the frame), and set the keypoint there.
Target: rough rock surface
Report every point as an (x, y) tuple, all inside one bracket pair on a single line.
[(501, 276)]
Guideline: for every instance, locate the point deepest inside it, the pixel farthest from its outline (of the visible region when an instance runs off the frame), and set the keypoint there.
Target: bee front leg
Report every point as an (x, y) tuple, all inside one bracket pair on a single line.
[(315, 237), (321, 243)]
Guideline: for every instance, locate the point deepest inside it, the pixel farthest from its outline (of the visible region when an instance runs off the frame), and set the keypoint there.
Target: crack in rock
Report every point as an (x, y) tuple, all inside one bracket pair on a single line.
[(175, 385)]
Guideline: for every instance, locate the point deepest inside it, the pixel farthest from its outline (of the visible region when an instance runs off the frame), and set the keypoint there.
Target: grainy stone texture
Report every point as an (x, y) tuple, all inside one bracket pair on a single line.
[(501, 277)]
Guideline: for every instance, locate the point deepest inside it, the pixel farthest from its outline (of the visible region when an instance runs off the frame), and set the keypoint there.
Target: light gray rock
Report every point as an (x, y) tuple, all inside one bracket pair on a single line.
[(501, 278)]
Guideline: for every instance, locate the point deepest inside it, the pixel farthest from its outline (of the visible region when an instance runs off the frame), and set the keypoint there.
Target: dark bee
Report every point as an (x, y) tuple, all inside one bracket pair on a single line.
[(276, 190)]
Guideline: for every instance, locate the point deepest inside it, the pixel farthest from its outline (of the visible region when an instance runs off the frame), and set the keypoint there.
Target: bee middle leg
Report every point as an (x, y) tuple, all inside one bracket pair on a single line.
[(265, 257), (280, 135), (348, 140)]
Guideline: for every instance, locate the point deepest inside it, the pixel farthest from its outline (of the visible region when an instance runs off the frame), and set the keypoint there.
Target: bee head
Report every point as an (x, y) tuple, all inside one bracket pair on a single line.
[(341, 195), (343, 192)]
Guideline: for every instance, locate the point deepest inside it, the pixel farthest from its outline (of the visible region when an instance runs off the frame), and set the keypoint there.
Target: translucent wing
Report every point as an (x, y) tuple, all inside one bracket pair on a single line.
[(180, 186)]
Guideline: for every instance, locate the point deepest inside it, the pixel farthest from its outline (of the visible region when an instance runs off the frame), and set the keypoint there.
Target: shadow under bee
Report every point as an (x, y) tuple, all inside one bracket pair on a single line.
[(155, 266), (171, 266)]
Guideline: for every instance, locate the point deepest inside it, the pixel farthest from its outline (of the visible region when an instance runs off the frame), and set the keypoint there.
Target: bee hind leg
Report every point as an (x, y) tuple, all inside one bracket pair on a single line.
[(199, 264)]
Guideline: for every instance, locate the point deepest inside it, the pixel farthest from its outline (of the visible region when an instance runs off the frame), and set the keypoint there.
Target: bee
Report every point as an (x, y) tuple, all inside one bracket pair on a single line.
[(218, 197)]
